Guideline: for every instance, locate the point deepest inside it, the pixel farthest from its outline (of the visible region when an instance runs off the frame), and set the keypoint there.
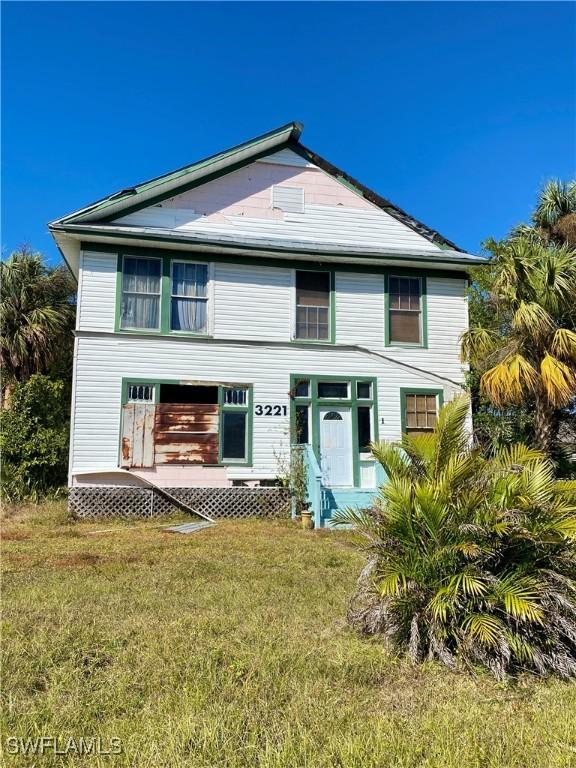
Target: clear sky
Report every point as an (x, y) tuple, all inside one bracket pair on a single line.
[(457, 112)]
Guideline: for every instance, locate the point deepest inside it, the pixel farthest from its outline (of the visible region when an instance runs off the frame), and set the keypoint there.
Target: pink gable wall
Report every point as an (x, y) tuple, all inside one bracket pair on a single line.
[(247, 192)]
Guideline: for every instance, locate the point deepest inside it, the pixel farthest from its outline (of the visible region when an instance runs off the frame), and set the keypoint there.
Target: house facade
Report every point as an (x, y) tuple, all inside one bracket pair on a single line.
[(253, 301)]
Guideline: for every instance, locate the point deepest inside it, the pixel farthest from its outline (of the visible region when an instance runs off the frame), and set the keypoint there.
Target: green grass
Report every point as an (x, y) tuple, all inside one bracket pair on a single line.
[(230, 648)]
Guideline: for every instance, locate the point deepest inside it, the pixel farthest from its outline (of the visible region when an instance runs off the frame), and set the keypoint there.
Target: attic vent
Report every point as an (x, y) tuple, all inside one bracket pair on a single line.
[(290, 199)]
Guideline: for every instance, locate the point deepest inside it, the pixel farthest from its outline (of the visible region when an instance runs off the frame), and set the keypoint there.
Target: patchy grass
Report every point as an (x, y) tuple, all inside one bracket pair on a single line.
[(229, 647)]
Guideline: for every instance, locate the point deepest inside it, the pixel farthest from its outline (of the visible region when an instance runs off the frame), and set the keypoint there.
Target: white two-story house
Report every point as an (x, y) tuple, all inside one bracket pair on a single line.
[(254, 300)]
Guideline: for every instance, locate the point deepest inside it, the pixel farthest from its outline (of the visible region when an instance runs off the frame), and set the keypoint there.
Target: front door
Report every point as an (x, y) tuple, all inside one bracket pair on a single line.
[(336, 446)]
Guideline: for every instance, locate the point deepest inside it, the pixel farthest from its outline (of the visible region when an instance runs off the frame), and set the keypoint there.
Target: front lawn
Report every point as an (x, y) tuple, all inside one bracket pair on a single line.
[(229, 647)]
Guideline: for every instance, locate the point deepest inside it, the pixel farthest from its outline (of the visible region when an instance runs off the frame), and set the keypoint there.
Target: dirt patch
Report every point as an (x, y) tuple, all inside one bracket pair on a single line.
[(83, 559), (15, 535)]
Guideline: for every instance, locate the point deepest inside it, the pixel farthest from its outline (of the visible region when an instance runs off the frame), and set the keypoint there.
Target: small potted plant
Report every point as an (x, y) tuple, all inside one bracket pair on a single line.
[(306, 517)]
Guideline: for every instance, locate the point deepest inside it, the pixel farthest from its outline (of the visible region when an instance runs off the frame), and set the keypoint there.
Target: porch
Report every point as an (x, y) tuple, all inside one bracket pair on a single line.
[(322, 500)]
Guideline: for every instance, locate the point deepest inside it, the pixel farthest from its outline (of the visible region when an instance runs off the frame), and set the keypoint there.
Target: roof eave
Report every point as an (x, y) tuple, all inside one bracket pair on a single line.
[(458, 260)]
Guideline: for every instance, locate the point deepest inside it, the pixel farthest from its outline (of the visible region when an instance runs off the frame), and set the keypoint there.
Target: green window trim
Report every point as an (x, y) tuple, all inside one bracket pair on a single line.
[(248, 409), (165, 295), (331, 309), (352, 402), (417, 391), (423, 309)]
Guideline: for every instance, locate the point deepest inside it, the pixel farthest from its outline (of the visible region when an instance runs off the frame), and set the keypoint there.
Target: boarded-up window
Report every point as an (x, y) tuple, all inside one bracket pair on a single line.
[(405, 315), (312, 305), (421, 413)]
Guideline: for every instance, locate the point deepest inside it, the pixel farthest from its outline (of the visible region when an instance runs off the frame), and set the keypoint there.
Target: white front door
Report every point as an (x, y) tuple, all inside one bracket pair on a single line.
[(336, 447)]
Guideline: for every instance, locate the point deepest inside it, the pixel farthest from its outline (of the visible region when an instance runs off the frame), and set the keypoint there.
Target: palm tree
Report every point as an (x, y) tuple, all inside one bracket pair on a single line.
[(470, 561), (555, 215), (36, 315), (527, 352)]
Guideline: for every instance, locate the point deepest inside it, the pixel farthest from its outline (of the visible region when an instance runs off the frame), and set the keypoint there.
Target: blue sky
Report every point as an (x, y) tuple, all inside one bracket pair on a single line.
[(457, 112)]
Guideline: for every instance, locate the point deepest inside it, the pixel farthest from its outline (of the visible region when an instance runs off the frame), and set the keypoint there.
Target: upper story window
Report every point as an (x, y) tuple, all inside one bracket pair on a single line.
[(313, 305), (405, 315), (164, 295), (189, 297), (141, 289)]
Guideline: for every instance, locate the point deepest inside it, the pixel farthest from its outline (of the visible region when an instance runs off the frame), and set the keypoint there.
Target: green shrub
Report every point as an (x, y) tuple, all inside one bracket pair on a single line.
[(34, 439), (472, 560)]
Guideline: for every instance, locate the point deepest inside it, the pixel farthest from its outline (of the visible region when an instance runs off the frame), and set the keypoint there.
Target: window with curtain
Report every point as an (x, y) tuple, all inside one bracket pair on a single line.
[(421, 413), (189, 297), (405, 316), (141, 287), (313, 305)]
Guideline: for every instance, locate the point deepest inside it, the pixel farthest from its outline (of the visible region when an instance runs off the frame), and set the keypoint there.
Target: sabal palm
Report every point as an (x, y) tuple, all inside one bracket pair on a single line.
[(470, 560), (36, 313), (529, 353), (554, 218)]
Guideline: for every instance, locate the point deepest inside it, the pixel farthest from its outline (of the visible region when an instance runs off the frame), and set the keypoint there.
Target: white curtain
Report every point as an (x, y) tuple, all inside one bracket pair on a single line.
[(189, 296), (141, 293)]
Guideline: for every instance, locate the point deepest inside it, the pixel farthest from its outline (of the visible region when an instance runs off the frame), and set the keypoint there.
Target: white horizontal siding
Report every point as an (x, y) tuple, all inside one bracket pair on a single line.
[(252, 302), (360, 309), (103, 361), (447, 311), (97, 291), (286, 157)]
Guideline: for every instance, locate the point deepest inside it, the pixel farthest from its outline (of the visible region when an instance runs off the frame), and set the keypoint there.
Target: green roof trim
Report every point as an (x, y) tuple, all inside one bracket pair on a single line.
[(292, 130), (206, 170)]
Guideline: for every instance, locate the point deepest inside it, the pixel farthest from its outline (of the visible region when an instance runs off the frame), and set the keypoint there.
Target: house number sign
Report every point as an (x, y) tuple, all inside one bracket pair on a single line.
[(271, 410)]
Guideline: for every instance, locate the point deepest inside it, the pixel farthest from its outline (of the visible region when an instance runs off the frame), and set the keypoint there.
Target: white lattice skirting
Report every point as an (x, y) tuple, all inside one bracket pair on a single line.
[(237, 503)]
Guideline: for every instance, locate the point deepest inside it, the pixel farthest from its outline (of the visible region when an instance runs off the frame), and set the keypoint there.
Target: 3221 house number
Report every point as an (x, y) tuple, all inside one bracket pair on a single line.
[(271, 410)]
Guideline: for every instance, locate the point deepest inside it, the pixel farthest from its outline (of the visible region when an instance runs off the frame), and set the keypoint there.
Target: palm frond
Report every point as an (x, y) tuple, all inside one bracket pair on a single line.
[(532, 318), (476, 344), (509, 380), (558, 380), (564, 344)]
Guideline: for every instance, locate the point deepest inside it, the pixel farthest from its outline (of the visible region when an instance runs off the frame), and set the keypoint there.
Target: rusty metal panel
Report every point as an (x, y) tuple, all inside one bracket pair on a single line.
[(186, 433)]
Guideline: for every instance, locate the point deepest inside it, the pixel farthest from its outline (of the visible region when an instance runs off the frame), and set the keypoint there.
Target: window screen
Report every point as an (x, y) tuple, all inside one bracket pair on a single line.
[(421, 413), (234, 435), (364, 428), (405, 315), (140, 306), (364, 390), (302, 388), (336, 389), (302, 424), (312, 305)]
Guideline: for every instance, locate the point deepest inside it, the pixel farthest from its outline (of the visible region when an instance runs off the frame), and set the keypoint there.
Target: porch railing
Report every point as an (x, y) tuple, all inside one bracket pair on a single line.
[(313, 479)]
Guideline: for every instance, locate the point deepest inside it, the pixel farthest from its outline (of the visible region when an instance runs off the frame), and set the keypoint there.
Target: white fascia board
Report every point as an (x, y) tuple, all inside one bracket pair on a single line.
[(246, 246)]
